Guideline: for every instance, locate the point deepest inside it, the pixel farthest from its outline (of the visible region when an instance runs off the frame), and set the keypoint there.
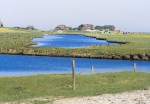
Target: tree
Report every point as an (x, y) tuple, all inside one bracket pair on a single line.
[(30, 28), (99, 28), (105, 27)]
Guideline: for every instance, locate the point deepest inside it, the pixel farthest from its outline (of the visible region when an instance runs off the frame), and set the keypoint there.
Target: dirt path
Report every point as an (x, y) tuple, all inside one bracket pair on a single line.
[(137, 97)]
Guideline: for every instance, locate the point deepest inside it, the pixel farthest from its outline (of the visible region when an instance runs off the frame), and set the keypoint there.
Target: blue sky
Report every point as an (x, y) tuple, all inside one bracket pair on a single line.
[(127, 15)]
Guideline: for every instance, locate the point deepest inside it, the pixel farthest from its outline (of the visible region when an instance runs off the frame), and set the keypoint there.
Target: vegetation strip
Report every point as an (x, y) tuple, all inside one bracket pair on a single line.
[(21, 88), (19, 42)]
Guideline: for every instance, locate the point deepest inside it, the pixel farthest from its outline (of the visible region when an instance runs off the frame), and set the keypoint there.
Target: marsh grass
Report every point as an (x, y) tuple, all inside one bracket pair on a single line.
[(20, 42)]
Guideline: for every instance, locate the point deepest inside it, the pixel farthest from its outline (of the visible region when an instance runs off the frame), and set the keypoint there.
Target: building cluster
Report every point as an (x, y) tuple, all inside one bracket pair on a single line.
[(85, 27), (62, 28)]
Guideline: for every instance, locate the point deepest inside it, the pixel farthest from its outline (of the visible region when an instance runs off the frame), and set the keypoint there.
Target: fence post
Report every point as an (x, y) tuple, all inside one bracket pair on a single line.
[(92, 69), (73, 74)]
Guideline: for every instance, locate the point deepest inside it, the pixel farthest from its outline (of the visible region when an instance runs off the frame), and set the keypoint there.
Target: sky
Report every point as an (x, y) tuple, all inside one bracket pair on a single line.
[(126, 15)]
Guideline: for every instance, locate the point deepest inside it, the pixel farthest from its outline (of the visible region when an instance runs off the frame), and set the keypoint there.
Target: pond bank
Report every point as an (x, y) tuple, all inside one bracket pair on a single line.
[(76, 54)]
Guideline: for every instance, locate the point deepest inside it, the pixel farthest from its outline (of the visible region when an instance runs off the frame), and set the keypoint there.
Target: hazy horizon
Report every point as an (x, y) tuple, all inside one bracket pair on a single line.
[(127, 15)]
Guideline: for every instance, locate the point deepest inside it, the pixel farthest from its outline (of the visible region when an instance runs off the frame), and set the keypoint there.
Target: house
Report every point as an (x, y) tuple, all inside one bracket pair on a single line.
[(86, 27), (1, 24), (62, 28)]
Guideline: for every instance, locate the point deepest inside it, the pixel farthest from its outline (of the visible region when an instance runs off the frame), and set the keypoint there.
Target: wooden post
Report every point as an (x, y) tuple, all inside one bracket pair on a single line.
[(135, 67), (73, 74)]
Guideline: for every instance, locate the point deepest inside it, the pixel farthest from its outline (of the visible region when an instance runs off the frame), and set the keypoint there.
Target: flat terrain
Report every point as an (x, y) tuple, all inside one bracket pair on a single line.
[(136, 97), (55, 86), (137, 46)]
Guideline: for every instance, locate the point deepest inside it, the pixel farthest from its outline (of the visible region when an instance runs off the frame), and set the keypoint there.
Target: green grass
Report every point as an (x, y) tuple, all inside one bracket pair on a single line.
[(20, 88), (20, 42)]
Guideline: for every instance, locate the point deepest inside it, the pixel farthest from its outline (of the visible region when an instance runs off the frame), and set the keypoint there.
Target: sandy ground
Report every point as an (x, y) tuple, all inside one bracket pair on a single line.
[(136, 97)]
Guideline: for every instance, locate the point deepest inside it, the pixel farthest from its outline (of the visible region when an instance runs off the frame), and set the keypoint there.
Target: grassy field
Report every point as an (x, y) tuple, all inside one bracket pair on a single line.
[(20, 88), (137, 47), (20, 41)]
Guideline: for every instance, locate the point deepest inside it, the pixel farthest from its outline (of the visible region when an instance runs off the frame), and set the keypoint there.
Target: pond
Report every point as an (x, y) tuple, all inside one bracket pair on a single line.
[(14, 65), (69, 41)]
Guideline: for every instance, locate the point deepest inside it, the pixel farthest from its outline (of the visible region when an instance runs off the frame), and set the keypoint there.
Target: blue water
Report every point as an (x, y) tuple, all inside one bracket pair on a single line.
[(11, 65), (69, 41)]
